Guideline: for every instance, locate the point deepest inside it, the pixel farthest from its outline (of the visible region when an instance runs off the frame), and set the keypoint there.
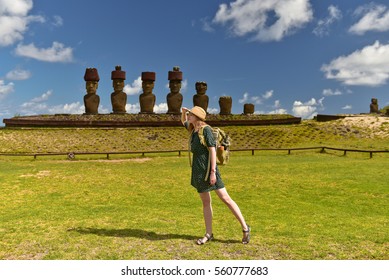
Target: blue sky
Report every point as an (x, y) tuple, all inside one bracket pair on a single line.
[(301, 57)]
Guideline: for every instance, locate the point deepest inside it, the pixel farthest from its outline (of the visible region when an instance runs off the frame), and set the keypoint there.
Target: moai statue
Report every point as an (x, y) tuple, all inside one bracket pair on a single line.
[(118, 97), (91, 99), (174, 98), (374, 106), (147, 98), (200, 98), (225, 103), (248, 109)]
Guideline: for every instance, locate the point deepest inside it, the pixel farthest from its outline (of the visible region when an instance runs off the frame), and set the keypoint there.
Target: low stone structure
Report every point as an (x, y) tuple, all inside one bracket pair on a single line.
[(225, 103), (248, 109)]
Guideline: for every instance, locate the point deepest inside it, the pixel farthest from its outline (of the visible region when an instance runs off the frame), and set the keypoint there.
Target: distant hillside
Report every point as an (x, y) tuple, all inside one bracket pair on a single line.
[(365, 132)]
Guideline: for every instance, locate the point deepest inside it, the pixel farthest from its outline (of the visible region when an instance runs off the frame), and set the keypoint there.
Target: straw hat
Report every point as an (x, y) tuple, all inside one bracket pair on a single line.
[(198, 112)]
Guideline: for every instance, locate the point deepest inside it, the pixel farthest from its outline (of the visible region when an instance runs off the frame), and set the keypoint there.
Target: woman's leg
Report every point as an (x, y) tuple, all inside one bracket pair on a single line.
[(225, 197), (207, 212)]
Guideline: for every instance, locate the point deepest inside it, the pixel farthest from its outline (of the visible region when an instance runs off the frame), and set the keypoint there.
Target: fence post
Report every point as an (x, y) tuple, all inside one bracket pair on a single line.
[(371, 154), (252, 152)]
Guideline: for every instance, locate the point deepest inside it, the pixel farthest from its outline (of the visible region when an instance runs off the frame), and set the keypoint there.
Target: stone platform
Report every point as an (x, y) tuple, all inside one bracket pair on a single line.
[(142, 120)]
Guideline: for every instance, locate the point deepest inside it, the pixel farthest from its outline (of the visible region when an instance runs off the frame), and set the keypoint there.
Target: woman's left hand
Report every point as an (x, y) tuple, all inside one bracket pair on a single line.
[(212, 179)]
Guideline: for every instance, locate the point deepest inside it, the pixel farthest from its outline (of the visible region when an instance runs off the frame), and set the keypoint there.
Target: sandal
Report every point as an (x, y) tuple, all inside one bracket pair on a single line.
[(246, 235), (208, 236)]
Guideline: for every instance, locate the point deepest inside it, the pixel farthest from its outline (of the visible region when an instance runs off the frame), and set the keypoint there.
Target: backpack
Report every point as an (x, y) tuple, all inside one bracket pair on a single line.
[(223, 143)]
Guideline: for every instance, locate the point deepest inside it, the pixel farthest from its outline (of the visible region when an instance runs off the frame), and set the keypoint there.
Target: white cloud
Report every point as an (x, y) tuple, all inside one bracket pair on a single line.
[(255, 99), (323, 25), (307, 110), (347, 107), (160, 108), (368, 67), (268, 94), (56, 53), (72, 108), (133, 108), (43, 97), (375, 17), (213, 110), (18, 75), (279, 111), (135, 88), (206, 25), (184, 85), (14, 20), (57, 21), (5, 88), (265, 20), (36, 105), (330, 92), (245, 98)]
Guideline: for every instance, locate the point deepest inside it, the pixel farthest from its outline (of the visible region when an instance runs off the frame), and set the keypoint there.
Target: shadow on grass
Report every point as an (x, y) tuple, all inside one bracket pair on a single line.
[(138, 233)]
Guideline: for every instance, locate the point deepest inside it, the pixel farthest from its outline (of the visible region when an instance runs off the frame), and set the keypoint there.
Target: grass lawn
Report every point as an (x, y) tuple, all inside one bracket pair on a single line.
[(306, 205)]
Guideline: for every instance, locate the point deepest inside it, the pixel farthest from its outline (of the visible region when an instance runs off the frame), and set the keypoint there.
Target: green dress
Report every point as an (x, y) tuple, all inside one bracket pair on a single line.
[(200, 162)]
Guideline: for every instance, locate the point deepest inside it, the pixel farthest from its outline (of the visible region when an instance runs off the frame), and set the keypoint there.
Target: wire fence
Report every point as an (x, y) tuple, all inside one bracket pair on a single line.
[(72, 155)]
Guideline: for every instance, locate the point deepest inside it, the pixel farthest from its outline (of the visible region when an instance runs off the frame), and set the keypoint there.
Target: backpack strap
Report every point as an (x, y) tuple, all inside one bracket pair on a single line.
[(201, 134), (202, 141), (189, 147)]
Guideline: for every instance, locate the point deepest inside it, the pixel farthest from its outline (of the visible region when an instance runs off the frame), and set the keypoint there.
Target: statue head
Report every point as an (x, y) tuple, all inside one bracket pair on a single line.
[(118, 77), (92, 80), (91, 87), (148, 79), (175, 78), (201, 87)]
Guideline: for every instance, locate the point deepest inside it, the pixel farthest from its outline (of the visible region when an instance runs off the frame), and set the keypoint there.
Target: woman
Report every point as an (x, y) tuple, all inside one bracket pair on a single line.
[(204, 179)]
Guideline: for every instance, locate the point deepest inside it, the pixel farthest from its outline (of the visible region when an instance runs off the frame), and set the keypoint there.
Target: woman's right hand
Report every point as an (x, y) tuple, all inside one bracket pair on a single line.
[(184, 118)]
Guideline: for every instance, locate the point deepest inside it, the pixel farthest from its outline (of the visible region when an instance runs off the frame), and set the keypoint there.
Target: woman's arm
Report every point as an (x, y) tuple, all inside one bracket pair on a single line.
[(212, 172), (184, 116)]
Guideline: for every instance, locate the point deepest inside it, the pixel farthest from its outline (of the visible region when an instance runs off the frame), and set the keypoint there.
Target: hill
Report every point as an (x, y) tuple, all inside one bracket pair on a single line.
[(363, 132)]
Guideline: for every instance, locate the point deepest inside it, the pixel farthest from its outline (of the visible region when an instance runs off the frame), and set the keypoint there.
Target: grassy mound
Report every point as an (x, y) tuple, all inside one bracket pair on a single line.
[(365, 133)]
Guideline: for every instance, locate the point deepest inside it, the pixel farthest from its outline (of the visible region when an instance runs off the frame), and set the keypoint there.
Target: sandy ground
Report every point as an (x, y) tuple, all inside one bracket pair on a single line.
[(378, 125)]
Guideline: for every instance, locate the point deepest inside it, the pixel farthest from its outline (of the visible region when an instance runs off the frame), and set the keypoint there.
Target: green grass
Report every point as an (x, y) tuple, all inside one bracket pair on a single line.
[(307, 134), (305, 205)]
